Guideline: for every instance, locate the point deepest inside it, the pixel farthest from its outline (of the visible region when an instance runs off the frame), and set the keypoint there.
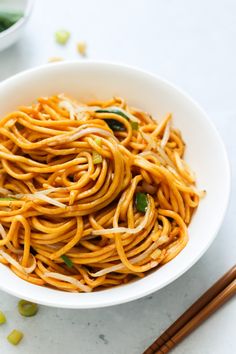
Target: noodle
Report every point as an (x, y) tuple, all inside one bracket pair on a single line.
[(91, 196)]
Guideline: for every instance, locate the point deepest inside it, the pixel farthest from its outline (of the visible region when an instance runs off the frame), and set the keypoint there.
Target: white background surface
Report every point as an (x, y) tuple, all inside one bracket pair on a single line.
[(193, 44)]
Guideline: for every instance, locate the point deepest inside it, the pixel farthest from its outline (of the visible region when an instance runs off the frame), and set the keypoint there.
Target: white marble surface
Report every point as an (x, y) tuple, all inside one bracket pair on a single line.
[(191, 43)]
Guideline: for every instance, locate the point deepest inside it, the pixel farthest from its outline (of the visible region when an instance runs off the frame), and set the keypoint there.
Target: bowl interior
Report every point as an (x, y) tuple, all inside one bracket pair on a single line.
[(205, 154)]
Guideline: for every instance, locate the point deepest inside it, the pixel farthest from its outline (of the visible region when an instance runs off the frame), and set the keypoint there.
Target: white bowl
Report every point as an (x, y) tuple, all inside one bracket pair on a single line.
[(13, 33), (205, 153)]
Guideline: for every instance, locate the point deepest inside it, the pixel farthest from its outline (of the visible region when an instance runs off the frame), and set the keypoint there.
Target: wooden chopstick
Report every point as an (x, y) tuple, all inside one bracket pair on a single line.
[(218, 301), (218, 288)]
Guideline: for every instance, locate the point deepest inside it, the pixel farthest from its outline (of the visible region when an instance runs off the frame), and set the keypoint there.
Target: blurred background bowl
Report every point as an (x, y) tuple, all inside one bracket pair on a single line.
[(205, 153), (13, 33)]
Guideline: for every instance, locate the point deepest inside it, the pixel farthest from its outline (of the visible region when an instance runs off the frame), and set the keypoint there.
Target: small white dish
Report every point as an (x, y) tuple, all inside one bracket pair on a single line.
[(13, 33), (205, 153)]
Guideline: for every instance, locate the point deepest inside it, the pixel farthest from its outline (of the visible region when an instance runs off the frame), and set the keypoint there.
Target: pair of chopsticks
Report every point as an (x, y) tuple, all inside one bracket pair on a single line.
[(207, 304)]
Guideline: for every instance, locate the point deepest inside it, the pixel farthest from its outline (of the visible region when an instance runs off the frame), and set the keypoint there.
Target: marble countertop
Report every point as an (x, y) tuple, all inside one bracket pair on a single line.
[(192, 44)]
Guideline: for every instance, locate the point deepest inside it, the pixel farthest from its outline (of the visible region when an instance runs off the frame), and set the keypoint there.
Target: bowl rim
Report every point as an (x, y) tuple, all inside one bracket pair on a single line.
[(142, 292), (21, 22)]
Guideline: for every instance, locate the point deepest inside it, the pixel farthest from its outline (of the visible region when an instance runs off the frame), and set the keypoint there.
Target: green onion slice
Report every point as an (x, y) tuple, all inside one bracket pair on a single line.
[(97, 158), (114, 124), (2, 318), (134, 125), (7, 199), (67, 261), (27, 308), (15, 337), (62, 36), (98, 141), (141, 202), (113, 110)]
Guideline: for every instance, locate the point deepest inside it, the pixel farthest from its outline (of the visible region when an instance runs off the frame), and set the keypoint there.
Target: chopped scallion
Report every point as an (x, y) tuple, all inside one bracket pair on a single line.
[(62, 36), (134, 125), (97, 158), (114, 124), (7, 199), (98, 141), (15, 337), (67, 261), (2, 318), (27, 308), (113, 110), (141, 202)]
